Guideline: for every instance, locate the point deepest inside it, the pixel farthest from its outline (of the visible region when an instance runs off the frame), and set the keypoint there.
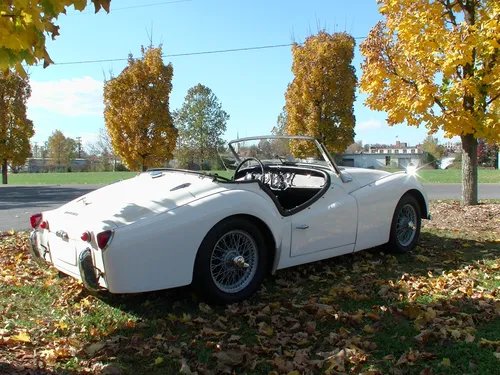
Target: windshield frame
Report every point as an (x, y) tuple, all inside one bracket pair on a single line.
[(324, 152)]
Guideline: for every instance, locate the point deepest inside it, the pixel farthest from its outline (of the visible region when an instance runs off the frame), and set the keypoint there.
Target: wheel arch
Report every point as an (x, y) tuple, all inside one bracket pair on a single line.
[(420, 200), (265, 230)]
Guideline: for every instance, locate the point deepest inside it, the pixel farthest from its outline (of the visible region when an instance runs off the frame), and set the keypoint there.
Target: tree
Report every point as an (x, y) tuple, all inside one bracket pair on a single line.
[(319, 101), (354, 148), (102, 151), (137, 112), (15, 128), (61, 149), (281, 124), (23, 25), (201, 122), (434, 150), (437, 62), (487, 154)]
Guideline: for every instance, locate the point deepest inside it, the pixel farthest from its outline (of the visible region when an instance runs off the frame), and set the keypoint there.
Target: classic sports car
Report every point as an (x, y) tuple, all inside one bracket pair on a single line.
[(287, 203)]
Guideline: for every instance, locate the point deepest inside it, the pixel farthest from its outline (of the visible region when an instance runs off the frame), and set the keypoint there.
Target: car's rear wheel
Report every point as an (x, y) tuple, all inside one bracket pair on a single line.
[(406, 224), (231, 261)]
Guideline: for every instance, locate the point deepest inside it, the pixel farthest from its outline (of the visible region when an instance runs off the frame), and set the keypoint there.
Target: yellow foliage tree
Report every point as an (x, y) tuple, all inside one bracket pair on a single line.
[(437, 63), (23, 25), (61, 149), (137, 113), (319, 101), (15, 128)]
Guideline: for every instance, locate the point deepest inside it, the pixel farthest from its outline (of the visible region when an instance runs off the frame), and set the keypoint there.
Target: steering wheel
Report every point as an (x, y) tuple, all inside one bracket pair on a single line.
[(247, 160)]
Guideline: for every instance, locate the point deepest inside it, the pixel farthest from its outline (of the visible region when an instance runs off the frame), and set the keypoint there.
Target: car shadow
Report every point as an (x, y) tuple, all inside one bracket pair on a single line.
[(448, 254)]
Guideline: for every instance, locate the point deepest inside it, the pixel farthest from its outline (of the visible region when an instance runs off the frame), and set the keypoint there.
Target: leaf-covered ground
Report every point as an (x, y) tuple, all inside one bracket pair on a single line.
[(434, 311)]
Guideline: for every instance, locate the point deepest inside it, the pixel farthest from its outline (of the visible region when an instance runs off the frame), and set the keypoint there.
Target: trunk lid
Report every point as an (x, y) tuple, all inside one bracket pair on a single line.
[(125, 202)]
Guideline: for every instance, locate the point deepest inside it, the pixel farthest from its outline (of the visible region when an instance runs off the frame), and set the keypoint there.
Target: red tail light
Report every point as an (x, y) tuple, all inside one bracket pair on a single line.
[(104, 238), (86, 236), (35, 220), (44, 224)]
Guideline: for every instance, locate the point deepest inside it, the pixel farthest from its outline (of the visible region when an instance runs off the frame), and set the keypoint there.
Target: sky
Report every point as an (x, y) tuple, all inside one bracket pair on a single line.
[(250, 85)]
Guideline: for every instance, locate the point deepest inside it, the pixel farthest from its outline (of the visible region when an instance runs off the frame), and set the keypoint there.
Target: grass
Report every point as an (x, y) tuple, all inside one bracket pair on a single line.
[(435, 310), (94, 178), (91, 178), (455, 176)]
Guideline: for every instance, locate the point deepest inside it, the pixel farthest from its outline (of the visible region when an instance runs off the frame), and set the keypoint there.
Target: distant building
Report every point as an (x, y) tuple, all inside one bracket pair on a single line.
[(36, 165), (384, 156), (453, 147)]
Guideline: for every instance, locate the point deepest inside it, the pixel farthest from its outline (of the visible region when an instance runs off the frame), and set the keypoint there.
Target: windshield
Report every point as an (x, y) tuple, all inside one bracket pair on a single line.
[(286, 150)]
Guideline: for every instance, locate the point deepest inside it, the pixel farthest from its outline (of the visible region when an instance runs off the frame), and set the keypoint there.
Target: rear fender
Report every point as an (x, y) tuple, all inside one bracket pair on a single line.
[(159, 252)]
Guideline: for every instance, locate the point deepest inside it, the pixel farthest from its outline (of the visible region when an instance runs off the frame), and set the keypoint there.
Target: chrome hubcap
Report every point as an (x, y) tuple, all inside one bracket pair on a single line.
[(240, 262), (234, 260), (406, 228)]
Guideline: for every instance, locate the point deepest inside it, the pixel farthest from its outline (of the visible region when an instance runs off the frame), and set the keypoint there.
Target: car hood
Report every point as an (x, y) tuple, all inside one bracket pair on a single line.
[(363, 176), (128, 201)]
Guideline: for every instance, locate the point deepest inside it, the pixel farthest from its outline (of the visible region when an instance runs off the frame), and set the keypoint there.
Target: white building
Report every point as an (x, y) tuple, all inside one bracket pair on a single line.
[(382, 157)]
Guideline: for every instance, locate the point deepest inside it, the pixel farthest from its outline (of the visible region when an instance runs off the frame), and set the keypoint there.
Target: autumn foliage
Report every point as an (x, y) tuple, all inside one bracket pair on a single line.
[(23, 25), (137, 112), (15, 128), (437, 64), (319, 101)]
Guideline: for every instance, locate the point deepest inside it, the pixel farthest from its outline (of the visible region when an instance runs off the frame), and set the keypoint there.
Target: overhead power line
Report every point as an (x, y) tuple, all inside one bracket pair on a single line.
[(112, 10), (188, 53)]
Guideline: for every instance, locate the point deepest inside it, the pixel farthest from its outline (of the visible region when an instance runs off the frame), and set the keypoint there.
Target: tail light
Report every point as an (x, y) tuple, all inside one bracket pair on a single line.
[(44, 224), (35, 220), (86, 236), (104, 238)]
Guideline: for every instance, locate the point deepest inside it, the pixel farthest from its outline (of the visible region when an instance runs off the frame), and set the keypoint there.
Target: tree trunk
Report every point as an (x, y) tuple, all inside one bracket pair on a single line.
[(469, 170), (4, 172)]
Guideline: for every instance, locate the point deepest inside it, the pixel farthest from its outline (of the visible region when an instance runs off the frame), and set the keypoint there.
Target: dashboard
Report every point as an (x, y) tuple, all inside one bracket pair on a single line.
[(282, 179)]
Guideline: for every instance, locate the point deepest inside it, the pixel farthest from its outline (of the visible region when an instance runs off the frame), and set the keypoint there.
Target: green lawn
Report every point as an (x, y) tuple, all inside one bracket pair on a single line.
[(425, 175), (433, 311), (455, 175), (90, 178)]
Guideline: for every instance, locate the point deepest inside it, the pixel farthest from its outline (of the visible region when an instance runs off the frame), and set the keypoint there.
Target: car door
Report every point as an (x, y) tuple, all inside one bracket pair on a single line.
[(328, 223)]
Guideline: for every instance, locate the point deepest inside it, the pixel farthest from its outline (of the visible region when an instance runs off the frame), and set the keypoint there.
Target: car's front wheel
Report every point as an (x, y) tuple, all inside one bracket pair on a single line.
[(231, 261), (406, 224)]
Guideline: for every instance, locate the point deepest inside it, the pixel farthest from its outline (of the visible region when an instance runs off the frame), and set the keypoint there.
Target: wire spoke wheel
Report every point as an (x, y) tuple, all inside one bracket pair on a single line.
[(406, 225), (233, 261)]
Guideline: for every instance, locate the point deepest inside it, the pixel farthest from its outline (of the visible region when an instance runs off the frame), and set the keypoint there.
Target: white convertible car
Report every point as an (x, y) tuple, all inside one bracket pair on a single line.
[(288, 203)]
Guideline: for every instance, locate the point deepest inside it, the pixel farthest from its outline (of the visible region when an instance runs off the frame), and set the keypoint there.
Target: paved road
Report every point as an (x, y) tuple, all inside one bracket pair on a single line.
[(18, 203)]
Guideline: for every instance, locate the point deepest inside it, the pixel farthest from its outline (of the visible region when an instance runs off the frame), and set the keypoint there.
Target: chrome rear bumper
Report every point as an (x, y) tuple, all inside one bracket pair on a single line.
[(90, 278)]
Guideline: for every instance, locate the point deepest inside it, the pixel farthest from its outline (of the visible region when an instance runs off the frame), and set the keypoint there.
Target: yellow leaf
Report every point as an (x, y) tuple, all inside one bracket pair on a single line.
[(368, 329), (22, 336), (62, 325), (159, 361), (422, 258), (446, 362)]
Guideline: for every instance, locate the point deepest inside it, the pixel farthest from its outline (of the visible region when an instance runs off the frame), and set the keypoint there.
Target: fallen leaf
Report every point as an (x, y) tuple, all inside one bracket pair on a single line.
[(92, 349), (22, 337), (159, 361), (446, 362)]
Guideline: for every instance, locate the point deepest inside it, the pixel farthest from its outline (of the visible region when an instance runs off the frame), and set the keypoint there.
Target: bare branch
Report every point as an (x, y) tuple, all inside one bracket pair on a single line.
[(492, 99)]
